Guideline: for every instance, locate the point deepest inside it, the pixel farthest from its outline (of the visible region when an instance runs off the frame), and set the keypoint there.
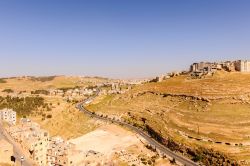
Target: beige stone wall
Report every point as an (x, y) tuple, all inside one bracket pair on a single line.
[(248, 66), (6, 151)]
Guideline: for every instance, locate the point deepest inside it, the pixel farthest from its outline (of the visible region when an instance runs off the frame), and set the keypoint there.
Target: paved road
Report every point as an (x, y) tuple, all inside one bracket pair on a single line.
[(159, 146), (18, 152)]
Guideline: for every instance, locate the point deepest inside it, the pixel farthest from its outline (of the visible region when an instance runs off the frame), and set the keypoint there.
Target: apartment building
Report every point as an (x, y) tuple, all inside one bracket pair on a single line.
[(48, 151), (202, 67), (57, 152), (8, 115), (32, 139), (207, 67), (36, 142), (242, 65)]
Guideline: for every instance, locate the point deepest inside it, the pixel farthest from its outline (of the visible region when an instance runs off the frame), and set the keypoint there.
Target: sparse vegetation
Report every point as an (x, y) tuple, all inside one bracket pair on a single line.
[(64, 117), (49, 116), (43, 79), (2, 80), (8, 90), (44, 92), (23, 106)]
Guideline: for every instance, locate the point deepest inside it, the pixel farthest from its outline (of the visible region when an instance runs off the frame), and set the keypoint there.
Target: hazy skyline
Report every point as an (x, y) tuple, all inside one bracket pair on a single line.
[(124, 39)]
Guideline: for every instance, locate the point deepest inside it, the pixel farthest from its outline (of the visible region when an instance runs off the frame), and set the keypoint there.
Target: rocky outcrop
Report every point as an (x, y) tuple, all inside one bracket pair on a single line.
[(184, 96), (245, 98), (199, 154)]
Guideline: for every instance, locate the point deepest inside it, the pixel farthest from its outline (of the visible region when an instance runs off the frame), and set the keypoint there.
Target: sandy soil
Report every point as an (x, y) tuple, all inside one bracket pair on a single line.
[(106, 139), (117, 145)]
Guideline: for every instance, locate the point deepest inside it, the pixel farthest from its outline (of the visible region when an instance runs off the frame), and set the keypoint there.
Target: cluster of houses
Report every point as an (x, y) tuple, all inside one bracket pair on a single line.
[(72, 92), (166, 76), (45, 150), (202, 68), (115, 88), (108, 88)]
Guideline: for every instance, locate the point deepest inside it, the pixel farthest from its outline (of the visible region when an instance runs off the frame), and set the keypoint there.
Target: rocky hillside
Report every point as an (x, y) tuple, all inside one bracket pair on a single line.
[(206, 119)]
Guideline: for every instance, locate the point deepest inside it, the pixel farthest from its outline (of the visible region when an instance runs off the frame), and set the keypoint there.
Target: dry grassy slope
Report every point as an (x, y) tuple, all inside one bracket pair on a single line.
[(28, 83), (4, 164), (220, 85), (224, 117), (66, 120)]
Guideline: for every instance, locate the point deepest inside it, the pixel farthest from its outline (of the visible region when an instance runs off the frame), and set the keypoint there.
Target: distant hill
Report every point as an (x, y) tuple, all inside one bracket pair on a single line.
[(30, 83)]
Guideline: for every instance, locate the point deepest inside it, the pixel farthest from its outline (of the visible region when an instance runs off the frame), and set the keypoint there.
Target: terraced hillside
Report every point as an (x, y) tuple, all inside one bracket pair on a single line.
[(205, 119)]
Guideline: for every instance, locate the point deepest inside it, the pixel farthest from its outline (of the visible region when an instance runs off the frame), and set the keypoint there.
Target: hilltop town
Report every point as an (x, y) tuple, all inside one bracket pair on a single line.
[(206, 68), (198, 70)]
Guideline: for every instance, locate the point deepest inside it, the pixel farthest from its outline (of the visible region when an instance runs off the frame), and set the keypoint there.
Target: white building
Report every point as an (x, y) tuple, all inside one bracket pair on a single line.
[(8, 115), (242, 66)]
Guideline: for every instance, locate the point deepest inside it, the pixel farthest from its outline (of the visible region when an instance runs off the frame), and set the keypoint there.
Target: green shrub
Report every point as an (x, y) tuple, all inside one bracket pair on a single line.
[(44, 92), (8, 90), (2, 80), (43, 79), (23, 106)]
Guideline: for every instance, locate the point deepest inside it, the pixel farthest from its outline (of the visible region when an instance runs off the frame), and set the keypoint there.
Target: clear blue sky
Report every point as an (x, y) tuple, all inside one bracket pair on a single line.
[(119, 38)]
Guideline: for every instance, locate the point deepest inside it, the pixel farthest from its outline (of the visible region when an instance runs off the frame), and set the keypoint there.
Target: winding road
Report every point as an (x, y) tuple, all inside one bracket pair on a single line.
[(178, 158)]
